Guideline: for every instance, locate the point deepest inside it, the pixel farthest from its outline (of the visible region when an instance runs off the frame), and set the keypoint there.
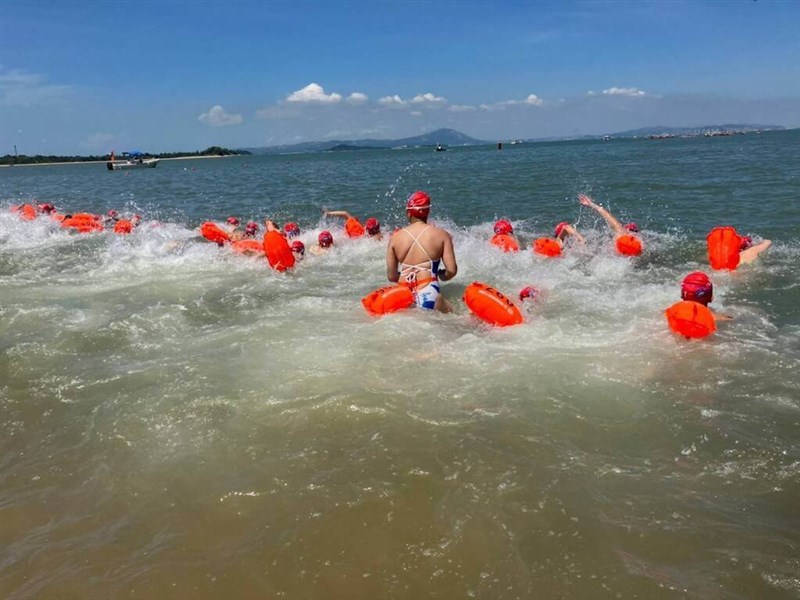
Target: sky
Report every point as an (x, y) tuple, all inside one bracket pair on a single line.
[(156, 76)]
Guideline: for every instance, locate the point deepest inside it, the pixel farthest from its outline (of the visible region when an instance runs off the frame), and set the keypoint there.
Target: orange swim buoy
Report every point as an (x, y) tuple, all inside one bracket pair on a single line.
[(248, 247), (354, 228), (123, 226), (83, 222), (27, 212), (491, 306), (505, 242), (723, 248), (547, 247), (278, 251), (629, 245), (213, 233), (691, 319), (387, 300)]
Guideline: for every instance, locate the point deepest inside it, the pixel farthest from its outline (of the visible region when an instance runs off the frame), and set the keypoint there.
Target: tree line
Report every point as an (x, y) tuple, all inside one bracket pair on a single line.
[(22, 159)]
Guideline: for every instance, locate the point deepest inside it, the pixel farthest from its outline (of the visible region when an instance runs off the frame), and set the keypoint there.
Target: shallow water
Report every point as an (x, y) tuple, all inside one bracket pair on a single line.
[(179, 421)]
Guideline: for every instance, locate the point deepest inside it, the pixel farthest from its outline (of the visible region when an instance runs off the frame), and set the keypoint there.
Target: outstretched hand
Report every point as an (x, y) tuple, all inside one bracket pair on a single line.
[(585, 200)]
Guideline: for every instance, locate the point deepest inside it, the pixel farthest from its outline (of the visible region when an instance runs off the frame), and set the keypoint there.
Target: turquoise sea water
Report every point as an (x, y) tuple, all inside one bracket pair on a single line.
[(180, 421)]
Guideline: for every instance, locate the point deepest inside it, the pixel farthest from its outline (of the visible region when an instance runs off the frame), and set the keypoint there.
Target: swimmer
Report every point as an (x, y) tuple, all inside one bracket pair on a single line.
[(291, 230), (323, 245), (234, 233), (249, 232), (553, 246), (697, 287), (504, 237), (413, 259), (749, 251), (353, 226), (123, 226), (299, 250), (626, 242)]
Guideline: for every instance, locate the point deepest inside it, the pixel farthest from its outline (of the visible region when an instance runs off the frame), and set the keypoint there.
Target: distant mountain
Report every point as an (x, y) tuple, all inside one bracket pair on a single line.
[(347, 148), (662, 130), (446, 137)]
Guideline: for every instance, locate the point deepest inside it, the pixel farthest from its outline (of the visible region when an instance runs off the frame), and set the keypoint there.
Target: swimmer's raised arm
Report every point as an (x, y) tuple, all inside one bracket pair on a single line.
[(612, 221), (336, 213), (570, 229), (749, 255), (270, 225)]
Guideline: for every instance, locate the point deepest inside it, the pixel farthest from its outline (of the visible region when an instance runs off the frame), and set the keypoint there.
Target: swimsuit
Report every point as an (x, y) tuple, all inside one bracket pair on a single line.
[(425, 291)]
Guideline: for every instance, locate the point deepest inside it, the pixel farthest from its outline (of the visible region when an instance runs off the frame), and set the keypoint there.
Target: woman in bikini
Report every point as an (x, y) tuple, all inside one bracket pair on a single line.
[(416, 253)]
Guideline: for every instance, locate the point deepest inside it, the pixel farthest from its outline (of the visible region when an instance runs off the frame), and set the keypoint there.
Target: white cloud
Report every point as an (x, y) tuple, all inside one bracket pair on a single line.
[(461, 108), (314, 93), (21, 88), (392, 101), (357, 98), (618, 91), (427, 98), (531, 100), (217, 117)]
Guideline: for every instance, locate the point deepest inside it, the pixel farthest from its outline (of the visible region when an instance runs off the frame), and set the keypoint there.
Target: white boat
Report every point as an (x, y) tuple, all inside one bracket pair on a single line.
[(133, 160), (139, 163)]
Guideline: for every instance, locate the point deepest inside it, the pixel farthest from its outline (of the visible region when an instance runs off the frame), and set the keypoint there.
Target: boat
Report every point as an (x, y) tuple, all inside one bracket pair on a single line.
[(131, 160), (440, 148)]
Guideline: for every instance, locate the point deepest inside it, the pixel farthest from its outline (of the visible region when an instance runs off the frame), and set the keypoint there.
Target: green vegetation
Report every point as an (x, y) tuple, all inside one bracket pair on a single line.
[(22, 159)]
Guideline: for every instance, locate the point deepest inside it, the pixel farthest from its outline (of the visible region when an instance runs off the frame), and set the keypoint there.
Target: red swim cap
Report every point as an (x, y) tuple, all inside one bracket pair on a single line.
[(299, 247), (233, 221), (560, 228), (46, 207), (251, 226), (697, 287), (747, 242), (372, 226), (528, 292), (291, 229), (325, 239), (113, 214), (503, 227), (418, 205), (633, 227)]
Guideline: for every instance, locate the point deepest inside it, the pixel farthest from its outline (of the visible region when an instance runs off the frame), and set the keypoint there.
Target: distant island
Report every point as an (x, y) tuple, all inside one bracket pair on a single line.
[(440, 137), (450, 137), (22, 159)]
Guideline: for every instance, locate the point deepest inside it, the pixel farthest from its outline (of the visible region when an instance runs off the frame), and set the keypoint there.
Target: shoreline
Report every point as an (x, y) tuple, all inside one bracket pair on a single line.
[(102, 162)]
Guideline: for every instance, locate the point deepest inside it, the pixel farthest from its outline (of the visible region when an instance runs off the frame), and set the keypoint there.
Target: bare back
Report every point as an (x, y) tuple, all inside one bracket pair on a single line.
[(419, 246)]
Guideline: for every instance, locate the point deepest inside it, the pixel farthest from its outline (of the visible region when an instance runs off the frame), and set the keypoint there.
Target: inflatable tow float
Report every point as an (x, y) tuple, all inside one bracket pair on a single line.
[(491, 306)]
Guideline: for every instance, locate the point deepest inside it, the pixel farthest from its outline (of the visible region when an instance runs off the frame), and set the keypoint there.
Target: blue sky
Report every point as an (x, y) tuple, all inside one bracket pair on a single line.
[(86, 77)]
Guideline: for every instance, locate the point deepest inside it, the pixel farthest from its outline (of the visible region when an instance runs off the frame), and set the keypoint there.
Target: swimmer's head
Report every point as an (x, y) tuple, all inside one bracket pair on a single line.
[(632, 227), (46, 208), (418, 205), (113, 214), (503, 227), (232, 221), (250, 229), (136, 219), (561, 230), (299, 247), (697, 287), (325, 239), (291, 229), (372, 226), (528, 293), (747, 242)]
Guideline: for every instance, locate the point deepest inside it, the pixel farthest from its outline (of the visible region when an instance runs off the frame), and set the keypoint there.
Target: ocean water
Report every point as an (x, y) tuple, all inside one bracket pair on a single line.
[(182, 422)]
